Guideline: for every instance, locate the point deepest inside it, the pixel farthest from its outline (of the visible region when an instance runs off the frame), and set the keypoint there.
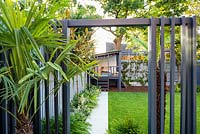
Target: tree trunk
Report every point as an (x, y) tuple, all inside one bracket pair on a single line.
[(25, 126), (117, 43), (158, 97)]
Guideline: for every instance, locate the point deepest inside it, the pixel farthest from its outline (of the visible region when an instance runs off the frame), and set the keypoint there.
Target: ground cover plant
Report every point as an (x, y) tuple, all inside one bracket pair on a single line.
[(135, 105), (127, 126), (81, 107)]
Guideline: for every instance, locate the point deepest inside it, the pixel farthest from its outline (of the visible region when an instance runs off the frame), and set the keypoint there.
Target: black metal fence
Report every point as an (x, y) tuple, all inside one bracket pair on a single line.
[(188, 76)]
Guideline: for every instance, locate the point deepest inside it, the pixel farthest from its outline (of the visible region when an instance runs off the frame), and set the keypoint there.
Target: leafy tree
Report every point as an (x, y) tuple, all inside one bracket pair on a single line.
[(120, 9), (194, 9), (85, 45), (158, 8)]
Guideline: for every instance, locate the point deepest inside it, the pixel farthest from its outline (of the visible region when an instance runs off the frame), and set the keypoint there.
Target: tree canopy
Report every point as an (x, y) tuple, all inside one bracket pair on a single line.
[(120, 8)]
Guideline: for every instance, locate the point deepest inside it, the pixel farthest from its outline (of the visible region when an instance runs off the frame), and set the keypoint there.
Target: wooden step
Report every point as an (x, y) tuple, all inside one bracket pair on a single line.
[(104, 89), (102, 82)]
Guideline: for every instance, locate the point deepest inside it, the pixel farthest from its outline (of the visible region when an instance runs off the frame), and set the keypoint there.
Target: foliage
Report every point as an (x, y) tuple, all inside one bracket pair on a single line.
[(81, 107), (198, 88), (194, 9), (120, 9), (85, 46), (26, 34), (127, 126), (198, 54), (129, 9), (85, 101), (158, 8), (178, 88), (134, 71), (137, 41), (77, 125), (83, 12)]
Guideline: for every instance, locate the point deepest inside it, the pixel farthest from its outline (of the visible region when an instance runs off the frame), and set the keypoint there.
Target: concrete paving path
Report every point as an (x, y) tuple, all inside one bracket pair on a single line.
[(99, 116)]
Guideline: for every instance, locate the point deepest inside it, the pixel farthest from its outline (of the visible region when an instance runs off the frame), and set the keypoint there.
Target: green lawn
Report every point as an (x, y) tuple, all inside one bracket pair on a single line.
[(135, 105)]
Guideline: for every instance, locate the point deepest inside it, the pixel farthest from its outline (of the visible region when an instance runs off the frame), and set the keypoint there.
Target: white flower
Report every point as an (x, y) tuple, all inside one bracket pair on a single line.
[(147, 7), (171, 10), (36, 3), (153, 3)]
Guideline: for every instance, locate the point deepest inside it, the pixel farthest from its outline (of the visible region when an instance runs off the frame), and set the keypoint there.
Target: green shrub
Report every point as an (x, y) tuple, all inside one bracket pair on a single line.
[(77, 125), (127, 126), (198, 88), (81, 107), (85, 101), (178, 88)]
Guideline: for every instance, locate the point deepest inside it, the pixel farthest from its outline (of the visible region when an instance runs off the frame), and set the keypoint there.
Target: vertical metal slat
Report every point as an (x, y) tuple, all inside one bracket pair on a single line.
[(66, 106), (56, 125), (194, 77), (188, 104), (47, 103), (4, 104), (12, 119), (56, 101), (11, 107), (172, 74), (162, 78), (183, 76), (37, 117), (47, 107), (56, 90), (152, 78), (188, 79), (56, 111)]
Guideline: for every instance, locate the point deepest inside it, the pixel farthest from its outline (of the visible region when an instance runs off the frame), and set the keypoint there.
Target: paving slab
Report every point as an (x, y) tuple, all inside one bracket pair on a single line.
[(99, 116)]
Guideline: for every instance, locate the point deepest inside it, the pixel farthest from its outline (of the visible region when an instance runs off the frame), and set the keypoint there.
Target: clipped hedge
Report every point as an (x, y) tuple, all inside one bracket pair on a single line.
[(81, 107)]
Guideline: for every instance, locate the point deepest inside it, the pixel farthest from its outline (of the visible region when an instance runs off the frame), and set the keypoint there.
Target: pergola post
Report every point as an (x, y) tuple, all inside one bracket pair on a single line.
[(66, 87), (152, 122)]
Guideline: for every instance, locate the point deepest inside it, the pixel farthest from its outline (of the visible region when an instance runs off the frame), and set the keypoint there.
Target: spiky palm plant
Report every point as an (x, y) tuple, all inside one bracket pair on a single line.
[(23, 31)]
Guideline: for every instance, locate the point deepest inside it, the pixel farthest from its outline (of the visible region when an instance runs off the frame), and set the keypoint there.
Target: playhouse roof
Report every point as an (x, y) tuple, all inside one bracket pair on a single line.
[(115, 52)]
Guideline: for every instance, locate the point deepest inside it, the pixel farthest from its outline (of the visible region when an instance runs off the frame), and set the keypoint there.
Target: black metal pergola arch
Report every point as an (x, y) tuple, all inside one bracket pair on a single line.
[(188, 66)]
